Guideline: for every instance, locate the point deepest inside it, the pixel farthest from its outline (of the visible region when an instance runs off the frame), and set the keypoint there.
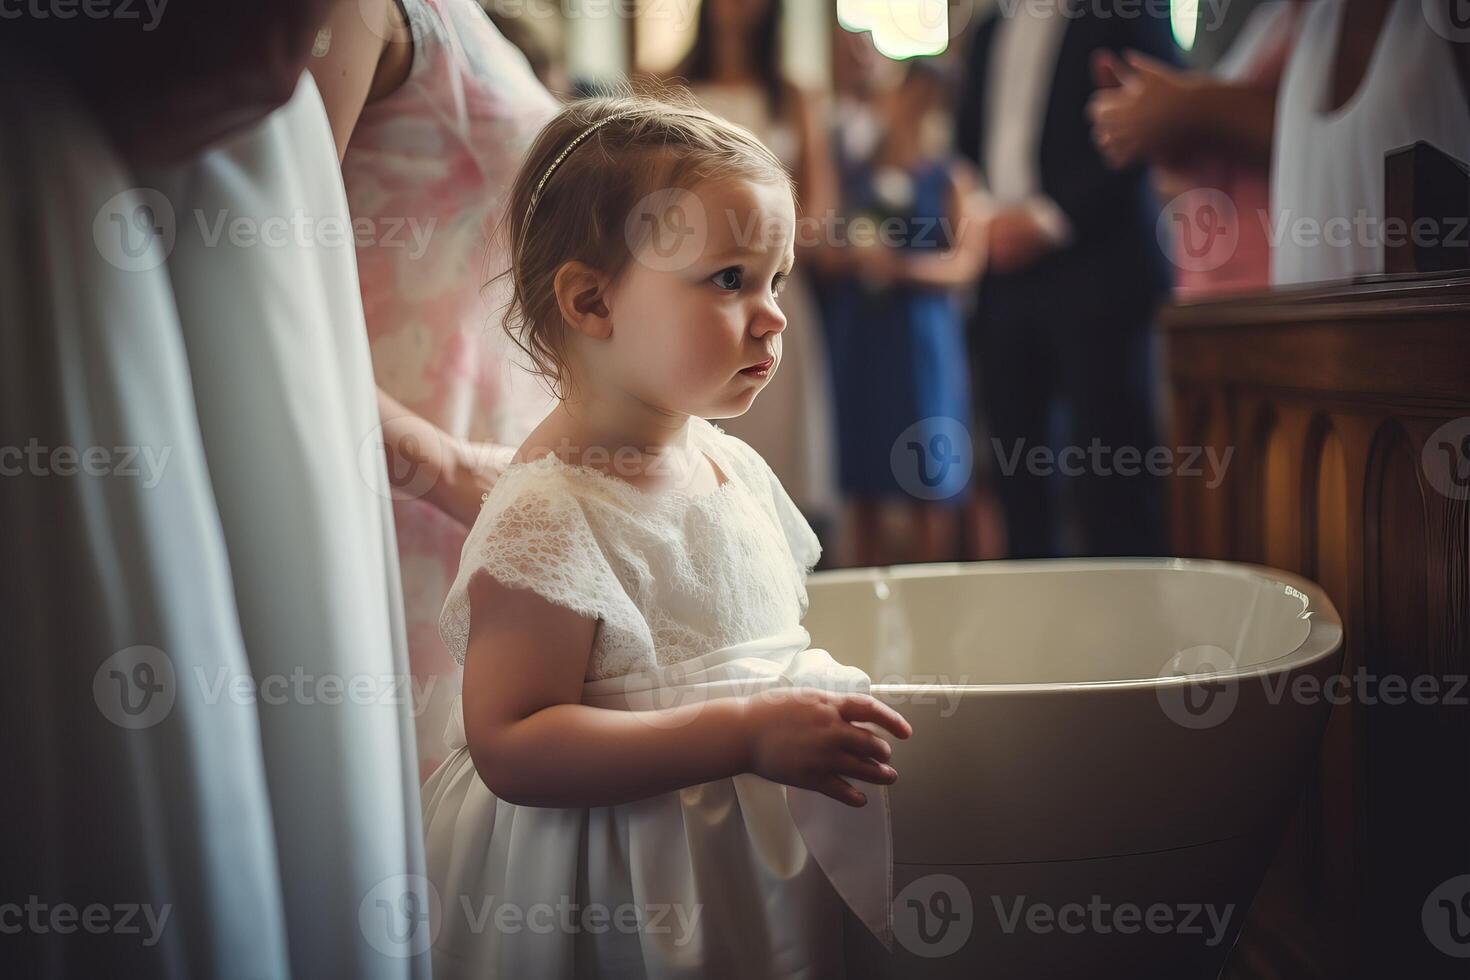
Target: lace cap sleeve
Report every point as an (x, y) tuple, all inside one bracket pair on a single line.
[(534, 533)]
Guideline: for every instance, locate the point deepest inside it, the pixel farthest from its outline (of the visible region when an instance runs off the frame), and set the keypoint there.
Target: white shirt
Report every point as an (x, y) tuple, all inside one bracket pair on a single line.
[(1327, 196), (1023, 60)]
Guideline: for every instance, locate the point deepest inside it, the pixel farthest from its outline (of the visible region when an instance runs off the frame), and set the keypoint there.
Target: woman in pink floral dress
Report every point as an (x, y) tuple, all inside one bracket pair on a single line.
[(432, 109)]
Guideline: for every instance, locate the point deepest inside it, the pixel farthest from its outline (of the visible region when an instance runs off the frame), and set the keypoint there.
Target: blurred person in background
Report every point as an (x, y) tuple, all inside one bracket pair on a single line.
[(1365, 77), (861, 76), (541, 53), (734, 70), (898, 344), (1074, 274), (1207, 136)]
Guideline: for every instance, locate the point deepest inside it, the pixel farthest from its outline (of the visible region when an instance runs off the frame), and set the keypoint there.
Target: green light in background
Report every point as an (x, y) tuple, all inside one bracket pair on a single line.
[(1184, 15), (901, 28)]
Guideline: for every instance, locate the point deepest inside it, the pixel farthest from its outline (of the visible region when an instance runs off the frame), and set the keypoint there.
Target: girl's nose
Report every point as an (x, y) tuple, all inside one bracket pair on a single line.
[(768, 319)]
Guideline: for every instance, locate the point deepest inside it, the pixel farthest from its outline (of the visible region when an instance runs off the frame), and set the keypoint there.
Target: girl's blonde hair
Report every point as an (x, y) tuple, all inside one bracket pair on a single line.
[(639, 144)]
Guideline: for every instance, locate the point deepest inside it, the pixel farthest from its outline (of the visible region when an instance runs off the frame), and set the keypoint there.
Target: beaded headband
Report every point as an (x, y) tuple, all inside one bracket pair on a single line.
[(566, 152)]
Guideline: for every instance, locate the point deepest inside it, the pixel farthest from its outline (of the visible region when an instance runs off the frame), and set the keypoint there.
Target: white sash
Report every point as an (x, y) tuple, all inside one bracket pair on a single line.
[(852, 845)]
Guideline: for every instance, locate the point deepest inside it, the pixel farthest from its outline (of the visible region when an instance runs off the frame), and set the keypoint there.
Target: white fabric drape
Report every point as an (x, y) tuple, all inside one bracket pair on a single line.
[(244, 591), (164, 813)]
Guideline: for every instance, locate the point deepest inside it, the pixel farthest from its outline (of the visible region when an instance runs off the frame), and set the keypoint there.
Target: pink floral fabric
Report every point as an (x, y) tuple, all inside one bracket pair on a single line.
[(427, 171)]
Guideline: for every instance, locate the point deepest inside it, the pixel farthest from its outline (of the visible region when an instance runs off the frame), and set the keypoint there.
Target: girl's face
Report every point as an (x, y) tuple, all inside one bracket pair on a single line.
[(694, 315)]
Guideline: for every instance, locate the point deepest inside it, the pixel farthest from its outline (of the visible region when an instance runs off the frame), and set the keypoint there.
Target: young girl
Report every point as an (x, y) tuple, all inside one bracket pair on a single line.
[(637, 685)]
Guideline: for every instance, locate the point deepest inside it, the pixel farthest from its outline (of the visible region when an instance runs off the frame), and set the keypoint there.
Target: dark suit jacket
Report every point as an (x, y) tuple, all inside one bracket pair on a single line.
[(1114, 255)]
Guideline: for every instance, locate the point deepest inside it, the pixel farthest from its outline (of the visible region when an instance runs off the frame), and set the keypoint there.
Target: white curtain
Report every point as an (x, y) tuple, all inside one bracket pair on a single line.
[(207, 714)]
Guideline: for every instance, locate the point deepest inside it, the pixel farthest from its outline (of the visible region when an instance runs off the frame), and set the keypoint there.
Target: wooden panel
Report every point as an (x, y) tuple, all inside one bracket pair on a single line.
[(1191, 423), (1216, 513), (1281, 490), (1397, 624), (1329, 855), (1329, 397)]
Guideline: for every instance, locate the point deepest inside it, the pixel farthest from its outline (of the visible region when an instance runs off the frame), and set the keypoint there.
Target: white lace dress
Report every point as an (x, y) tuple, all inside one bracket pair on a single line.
[(719, 879)]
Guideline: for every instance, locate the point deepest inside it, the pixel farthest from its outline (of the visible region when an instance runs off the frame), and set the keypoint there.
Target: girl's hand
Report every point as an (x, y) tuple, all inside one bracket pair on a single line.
[(810, 738)]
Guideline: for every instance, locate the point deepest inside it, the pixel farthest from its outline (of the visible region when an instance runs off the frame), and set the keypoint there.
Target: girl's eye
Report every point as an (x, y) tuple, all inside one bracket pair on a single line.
[(730, 278), (779, 283)]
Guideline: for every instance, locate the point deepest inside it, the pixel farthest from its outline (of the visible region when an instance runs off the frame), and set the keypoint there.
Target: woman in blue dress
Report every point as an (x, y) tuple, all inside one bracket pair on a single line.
[(898, 347)]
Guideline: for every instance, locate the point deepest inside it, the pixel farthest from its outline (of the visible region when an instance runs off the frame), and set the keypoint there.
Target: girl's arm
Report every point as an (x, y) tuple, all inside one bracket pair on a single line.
[(534, 744)]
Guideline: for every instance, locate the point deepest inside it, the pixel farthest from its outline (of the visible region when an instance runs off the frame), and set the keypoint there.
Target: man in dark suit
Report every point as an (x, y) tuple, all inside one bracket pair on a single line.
[(1075, 273)]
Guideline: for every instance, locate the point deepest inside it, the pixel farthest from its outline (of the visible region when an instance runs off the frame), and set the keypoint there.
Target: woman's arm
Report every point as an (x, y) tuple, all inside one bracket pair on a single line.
[(425, 461), (1147, 110), (360, 64), (534, 744), (1237, 116), (369, 53)]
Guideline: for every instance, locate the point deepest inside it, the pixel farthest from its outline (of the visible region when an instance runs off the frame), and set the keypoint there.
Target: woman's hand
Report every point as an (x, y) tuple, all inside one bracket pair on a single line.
[(426, 462), (1141, 108), (877, 265), (1015, 240), (470, 470), (810, 738)]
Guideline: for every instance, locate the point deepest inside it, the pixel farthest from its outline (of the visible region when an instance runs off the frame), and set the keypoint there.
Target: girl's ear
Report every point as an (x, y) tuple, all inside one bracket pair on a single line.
[(581, 295)]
